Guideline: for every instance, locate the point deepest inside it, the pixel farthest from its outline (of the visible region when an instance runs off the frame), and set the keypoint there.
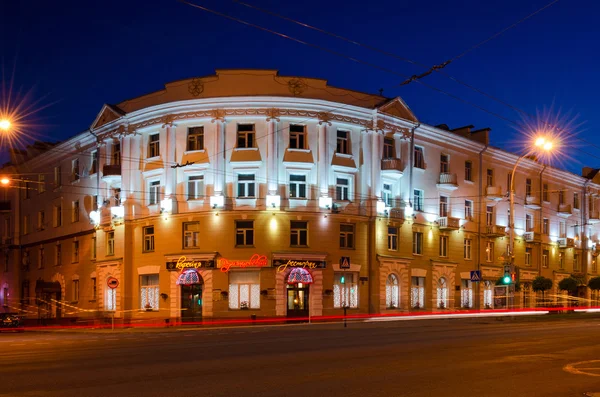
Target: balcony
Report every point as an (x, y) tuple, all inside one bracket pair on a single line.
[(564, 242), (564, 210), (4, 206), (391, 167), (448, 223), (111, 172), (495, 231), (533, 202), (447, 181), (493, 193), (594, 217), (531, 236)]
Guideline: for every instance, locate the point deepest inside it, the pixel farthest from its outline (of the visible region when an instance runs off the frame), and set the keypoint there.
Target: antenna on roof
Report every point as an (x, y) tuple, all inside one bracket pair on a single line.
[(381, 92)]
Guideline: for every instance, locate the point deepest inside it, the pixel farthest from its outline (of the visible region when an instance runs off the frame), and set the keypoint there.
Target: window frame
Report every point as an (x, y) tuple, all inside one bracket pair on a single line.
[(197, 181), (348, 236), (247, 136), (417, 243), (190, 235), (444, 163), (389, 149), (469, 210), (195, 139), (246, 232), (94, 163), (154, 145), (150, 283), (298, 137), (418, 200), (469, 171), (298, 232), (75, 174), (419, 157), (297, 186), (75, 252), (154, 191), (392, 238), (247, 184), (343, 144), (148, 239), (110, 243), (468, 249), (343, 192), (75, 211), (443, 246), (489, 251)]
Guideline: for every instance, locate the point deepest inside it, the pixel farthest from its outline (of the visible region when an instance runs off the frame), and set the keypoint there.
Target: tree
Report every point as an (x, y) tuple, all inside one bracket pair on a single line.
[(594, 285), (568, 284), (542, 284)]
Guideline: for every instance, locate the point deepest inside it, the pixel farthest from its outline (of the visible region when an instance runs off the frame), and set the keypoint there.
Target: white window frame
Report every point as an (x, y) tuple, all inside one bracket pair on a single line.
[(528, 256), (545, 258), (529, 223), (444, 207), (237, 290), (343, 143), (195, 187), (387, 193), (153, 145), (418, 199), (58, 215), (299, 138), (191, 237), (489, 215), (392, 238), (469, 210), (246, 184), (345, 190), (297, 185), (149, 292), (392, 291), (154, 191), (444, 241), (110, 243), (417, 292), (148, 238), (467, 249), (417, 243), (297, 233)]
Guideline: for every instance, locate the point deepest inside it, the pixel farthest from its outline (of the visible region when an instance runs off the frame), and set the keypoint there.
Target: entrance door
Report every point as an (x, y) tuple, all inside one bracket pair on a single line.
[(191, 302), (297, 300)]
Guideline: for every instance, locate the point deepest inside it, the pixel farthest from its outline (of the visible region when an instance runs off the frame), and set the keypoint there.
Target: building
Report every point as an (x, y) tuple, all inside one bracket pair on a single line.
[(250, 193)]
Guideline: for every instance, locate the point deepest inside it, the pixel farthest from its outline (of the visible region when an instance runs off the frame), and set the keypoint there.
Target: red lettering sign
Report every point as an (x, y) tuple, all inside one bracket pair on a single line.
[(255, 261)]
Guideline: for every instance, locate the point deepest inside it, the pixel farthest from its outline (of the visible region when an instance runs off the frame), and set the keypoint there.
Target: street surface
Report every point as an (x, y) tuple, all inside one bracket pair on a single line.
[(483, 357)]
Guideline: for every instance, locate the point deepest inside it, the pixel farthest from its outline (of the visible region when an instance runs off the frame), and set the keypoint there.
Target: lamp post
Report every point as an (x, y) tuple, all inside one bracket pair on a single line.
[(541, 145), (5, 125)]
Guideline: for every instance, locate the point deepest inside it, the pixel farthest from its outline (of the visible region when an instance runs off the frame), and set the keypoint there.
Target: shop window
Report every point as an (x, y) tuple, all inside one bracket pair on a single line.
[(195, 187), (417, 292), (298, 233), (149, 292), (245, 135), (191, 234), (346, 235), (148, 238), (110, 303), (244, 233), (392, 292), (442, 293), (297, 136), (488, 295), (110, 243), (154, 145), (195, 139), (345, 290), (297, 186), (466, 294), (244, 290), (392, 238)]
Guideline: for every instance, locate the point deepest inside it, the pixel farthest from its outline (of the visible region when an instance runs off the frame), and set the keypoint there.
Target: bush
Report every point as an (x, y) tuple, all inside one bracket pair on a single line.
[(568, 284), (541, 284), (594, 283)]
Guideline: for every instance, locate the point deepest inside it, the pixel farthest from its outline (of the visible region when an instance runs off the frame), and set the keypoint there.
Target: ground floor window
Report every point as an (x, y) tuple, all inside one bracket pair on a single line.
[(466, 294), (442, 293), (392, 292), (111, 299), (345, 290), (488, 295), (244, 290), (417, 293), (149, 291)]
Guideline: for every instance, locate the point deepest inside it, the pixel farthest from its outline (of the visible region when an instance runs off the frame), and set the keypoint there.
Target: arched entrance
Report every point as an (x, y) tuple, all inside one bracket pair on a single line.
[(192, 286), (298, 283)]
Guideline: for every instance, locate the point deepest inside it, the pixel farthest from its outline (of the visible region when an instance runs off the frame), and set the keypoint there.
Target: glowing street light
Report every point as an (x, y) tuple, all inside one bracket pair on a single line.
[(5, 181), (5, 124)]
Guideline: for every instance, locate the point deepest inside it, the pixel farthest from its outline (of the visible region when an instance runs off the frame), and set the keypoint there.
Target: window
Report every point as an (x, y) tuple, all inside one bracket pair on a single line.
[(392, 292), (94, 288), (246, 186), (195, 187), (94, 249), (298, 233), (191, 234), (528, 253), (75, 247), (387, 194), (41, 258), (297, 186), (545, 256), (195, 139), (297, 136), (41, 183), (468, 171), (75, 170), (345, 290), (58, 259), (418, 199), (419, 161), (116, 153), (443, 206), (417, 243), (388, 148), (443, 246), (75, 213), (343, 142), (41, 225), (94, 166), (57, 177), (576, 200), (154, 145), (110, 243), (545, 192), (490, 177), (75, 290), (154, 192), (342, 188), (110, 303), (346, 235), (244, 233), (467, 248), (245, 135), (57, 215), (545, 226), (561, 197), (466, 294), (528, 222), (149, 292), (392, 238), (528, 187), (562, 229), (489, 251), (148, 238), (442, 293), (468, 210), (25, 224), (489, 215), (444, 164), (576, 267), (417, 292), (244, 290)]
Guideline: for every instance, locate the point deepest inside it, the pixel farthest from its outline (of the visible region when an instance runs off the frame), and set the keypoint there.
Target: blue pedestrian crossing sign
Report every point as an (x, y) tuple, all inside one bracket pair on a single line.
[(475, 275)]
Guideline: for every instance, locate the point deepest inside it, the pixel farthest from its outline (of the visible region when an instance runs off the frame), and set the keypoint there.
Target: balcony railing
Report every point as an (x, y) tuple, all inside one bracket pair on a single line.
[(111, 170), (448, 181), (391, 164), (448, 222), (493, 193), (565, 210), (495, 231), (532, 202), (565, 242)]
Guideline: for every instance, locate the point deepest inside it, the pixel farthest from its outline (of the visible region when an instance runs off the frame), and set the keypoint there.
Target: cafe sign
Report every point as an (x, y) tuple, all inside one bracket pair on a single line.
[(184, 263), (283, 264), (255, 260)]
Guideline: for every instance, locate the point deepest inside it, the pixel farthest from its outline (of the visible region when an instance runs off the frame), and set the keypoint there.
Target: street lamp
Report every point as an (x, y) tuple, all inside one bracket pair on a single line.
[(4, 181), (5, 125), (542, 145)]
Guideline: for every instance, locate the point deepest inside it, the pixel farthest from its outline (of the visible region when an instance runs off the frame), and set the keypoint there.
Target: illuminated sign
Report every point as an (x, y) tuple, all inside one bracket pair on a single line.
[(185, 263), (283, 264), (255, 261)]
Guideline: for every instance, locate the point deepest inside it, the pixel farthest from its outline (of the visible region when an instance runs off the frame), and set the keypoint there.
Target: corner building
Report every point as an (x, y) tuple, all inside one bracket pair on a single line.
[(250, 193)]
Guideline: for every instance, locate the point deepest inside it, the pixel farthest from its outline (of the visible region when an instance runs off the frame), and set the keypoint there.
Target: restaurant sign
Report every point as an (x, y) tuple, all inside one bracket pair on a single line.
[(255, 260), (283, 264), (184, 263)]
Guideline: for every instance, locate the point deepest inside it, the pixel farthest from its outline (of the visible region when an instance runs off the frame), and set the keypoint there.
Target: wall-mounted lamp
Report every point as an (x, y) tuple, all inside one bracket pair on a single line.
[(214, 206)]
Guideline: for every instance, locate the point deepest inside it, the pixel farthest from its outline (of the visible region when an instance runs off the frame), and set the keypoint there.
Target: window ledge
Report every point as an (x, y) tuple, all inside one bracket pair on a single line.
[(245, 246), (419, 169), (242, 149), (150, 159), (194, 151), (469, 182), (147, 252), (299, 150), (348, 156)]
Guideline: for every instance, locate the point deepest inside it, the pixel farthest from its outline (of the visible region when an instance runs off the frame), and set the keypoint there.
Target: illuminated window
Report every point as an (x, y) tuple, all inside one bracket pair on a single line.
[(297, 136), (392, 238), (444, 163), (148, 238), (467, 248), (195, 187), (392, 292), (388, 148), (244, 233), (110, 303), (417, 243), (75, 211), (191, 234), (75, 290), (346, 235), (298, 233), (244, 290), (345, 290), (153, 192), (153, 145), (297, 186), (466, 294), (442, 293), (419, 159), (75, 170), (246, 186), (488, 295), (245, 135), (417, 293), (149, 291), (110, 243), (195, 139), (343, 142), (75, 253), (443, 246)]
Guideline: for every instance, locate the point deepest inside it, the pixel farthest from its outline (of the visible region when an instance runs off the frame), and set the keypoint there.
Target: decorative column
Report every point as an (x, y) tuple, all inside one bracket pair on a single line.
[(125, 165), (170, 189), (323, 160), (273, 199), (376, 136), (218, 159)]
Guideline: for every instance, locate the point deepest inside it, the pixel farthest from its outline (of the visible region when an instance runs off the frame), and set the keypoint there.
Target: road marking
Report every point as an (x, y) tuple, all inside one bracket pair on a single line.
[(584, 368)]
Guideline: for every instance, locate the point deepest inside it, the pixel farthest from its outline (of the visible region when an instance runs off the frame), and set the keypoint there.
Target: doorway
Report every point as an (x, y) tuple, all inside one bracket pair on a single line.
[(297, 300), (191, 302)]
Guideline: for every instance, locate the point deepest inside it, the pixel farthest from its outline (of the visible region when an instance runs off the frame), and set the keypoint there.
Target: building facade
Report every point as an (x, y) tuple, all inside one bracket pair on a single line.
[(249, 193)]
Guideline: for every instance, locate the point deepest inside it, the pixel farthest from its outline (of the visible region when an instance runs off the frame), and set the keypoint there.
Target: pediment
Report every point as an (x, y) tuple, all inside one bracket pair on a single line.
[(107, 114), (398, 108)]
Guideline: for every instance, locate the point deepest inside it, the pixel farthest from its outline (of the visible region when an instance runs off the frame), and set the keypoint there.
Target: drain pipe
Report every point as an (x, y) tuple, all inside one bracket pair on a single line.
[(479, 210)]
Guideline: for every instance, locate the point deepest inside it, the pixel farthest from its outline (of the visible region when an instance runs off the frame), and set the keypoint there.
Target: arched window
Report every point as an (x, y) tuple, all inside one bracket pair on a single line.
[(392, 292), (488, 295), (442, 293)]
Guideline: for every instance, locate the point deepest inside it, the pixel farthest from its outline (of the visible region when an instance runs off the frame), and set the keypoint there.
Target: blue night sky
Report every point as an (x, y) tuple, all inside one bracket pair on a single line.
[(81, 54)]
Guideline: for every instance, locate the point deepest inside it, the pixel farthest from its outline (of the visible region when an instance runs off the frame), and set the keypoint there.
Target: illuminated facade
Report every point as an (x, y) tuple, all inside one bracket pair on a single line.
[(249, 193)]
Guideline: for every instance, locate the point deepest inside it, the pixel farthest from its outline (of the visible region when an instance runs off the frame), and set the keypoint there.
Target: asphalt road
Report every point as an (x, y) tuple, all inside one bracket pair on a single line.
[(409, 358)]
